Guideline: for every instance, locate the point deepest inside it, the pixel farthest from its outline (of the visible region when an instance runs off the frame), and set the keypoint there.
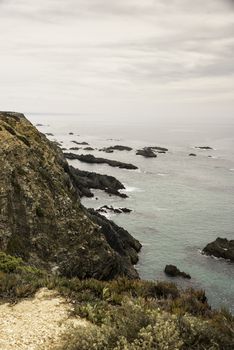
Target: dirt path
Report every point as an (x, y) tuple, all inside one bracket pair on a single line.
[(36, 324)]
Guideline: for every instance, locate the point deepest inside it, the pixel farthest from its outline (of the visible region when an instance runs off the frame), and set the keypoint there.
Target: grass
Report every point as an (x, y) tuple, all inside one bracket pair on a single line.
[(126, 314)]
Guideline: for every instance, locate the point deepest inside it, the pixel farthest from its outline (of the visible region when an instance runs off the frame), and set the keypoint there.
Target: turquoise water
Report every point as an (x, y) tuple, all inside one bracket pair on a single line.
[(179, 203)]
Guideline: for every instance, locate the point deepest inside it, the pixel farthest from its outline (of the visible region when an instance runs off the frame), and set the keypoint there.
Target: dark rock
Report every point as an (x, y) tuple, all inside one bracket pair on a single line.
[(173, 271), (89, 158), (192, 155), (106, 208), (49, 134), (159, 149), (74, 148), (71, 133), (41, 218), (107, 150), (220, 248), (146, 152), (111, 149), (204, 147), (81, 143), (117, 237), (88, 149), (126, 210), (64, 149), (85, 181)]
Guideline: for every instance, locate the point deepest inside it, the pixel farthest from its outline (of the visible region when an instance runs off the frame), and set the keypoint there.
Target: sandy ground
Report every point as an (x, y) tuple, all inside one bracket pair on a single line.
[(36, 324)]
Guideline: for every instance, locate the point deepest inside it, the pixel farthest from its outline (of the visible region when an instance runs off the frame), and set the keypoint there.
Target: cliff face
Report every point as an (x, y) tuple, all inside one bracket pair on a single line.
[(41, 217)]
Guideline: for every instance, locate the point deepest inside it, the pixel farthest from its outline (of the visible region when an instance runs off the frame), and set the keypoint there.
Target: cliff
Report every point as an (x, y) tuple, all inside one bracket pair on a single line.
[(41, 217)]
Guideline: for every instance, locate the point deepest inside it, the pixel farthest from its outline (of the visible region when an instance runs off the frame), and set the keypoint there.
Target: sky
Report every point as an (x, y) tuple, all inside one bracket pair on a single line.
[(129, 58)]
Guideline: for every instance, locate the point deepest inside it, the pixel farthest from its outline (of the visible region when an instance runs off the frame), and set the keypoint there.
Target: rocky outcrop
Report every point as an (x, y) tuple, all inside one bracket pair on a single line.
[(81, 143), (173, 271), (41, 217), (118, 238), (221, 248), (146, 152), (111, 149), (204, 147), (85, 181), (192, 155), (88, 149), (159, 149), (89, 158), (106, 208)]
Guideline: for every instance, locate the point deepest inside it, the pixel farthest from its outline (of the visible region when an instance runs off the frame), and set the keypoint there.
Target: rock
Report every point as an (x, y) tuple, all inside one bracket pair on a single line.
[(49, 134), (173, 271), (81, 143), (221, 248), (159, 149), (42, 220), (85, 181), (71, 133), (204, 147), (117, 237), (107, 150), (88, 149), (74, 148), (111, 149), (106, 208), (192, 155), (89, 158), (146, 152)]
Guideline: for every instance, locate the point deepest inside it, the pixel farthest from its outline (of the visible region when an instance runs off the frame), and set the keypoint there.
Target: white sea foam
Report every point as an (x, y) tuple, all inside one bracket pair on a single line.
[(162, 174), (131, 189)]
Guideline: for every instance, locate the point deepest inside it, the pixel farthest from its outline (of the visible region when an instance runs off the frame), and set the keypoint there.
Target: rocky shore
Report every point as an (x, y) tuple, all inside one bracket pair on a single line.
[(42, 220)]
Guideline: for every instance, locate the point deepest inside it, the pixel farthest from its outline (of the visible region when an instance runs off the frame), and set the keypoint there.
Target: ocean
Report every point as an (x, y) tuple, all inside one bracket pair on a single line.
[(179, 203)]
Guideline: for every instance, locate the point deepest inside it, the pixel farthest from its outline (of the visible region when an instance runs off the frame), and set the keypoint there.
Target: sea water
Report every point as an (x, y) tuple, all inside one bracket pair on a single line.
[(180, 203)]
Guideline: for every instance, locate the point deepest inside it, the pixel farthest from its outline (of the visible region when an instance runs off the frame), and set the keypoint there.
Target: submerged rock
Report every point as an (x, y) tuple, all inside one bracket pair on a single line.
[(146, 152), (89, 158), (192, 155), (41, 217), (173, 271), (221, 248)]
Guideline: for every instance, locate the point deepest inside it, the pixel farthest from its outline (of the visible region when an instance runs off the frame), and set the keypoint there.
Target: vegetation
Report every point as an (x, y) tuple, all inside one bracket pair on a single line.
[(126, 314)]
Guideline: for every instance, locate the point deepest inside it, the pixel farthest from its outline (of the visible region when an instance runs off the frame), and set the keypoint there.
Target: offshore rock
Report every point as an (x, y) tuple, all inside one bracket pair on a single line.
[(173, 271), (221, 248), (89, 158), (111, 149), (146, 152), (41, 217)]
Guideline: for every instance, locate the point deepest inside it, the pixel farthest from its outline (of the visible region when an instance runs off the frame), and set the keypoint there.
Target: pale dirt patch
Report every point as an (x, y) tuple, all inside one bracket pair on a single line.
[(36, 324)]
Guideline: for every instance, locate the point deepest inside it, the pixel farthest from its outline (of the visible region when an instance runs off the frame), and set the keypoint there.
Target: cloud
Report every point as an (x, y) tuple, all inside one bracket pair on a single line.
[(75, 49)]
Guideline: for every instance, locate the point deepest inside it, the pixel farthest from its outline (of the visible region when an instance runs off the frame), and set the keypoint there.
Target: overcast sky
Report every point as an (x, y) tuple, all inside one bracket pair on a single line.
[(117, 56)]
